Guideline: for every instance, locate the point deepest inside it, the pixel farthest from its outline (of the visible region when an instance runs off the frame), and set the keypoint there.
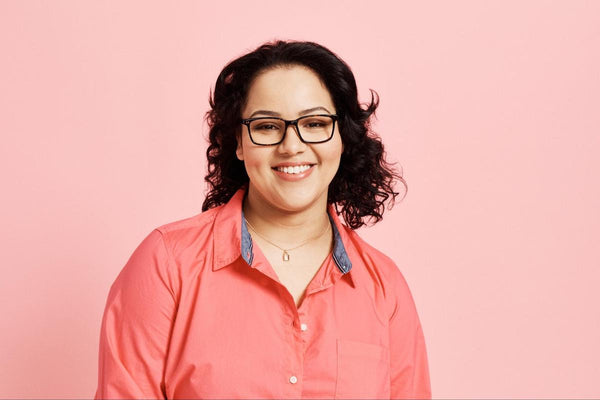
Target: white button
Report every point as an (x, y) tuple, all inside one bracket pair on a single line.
[(293, 379), (303, 327)]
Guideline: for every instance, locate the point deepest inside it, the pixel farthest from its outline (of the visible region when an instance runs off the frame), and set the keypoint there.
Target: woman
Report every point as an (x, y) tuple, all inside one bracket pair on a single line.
[(266, 294)]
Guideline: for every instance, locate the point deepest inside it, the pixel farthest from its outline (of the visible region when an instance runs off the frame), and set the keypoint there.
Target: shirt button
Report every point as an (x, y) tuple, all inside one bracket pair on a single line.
[(303, 327), (293, 379)]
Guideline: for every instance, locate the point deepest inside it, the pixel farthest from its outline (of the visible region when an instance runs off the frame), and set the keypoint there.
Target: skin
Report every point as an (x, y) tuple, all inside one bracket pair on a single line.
[(289, 212)]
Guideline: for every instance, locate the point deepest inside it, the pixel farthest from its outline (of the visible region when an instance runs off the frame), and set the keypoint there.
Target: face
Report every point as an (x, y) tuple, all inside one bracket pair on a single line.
[(289, 93)]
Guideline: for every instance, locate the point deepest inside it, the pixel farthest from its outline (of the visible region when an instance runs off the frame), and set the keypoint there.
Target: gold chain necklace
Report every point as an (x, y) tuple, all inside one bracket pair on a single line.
[(286, 256)]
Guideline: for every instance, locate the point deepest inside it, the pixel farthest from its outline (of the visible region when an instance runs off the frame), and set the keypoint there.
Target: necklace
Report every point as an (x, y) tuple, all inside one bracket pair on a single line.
[(286, 256)]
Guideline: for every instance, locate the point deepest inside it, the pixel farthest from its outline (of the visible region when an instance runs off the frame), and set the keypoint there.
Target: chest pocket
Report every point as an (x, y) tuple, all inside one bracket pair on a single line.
[(363, 370)]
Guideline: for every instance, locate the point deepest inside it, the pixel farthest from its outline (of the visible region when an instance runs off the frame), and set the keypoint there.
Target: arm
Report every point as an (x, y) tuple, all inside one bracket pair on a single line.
[(136, 326), (408, 353)]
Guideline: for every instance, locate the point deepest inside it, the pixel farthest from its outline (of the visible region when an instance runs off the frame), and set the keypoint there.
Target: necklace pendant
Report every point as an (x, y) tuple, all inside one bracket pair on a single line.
[(286, 256)]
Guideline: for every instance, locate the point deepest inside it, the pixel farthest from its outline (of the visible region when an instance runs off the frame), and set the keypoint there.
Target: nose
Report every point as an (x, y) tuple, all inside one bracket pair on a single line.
[(291, 142)]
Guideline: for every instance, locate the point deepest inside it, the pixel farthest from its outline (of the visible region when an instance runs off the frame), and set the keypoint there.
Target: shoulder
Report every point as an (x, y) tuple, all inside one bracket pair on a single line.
[(179, 247), (373, 256), (176, 249), (194, 230), (375, 266), (193, 223), (166, 257)]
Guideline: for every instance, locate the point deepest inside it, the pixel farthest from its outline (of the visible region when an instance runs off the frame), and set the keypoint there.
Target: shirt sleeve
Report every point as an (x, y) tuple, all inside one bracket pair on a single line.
[(136, 326), (408, 354)]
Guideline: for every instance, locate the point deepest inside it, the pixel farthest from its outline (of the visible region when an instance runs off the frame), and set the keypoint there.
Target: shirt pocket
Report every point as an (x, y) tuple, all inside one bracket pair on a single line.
[(363, 370)]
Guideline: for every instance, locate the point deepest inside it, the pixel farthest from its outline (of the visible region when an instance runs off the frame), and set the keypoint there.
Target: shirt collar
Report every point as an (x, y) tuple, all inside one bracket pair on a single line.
[(232, 239)]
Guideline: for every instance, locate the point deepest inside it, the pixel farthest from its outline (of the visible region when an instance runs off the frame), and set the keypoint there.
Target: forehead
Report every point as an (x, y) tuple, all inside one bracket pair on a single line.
[(287, 90)]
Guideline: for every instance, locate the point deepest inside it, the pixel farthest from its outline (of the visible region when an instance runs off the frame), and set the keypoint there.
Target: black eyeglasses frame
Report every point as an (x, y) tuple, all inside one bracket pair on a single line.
[(293, 122)]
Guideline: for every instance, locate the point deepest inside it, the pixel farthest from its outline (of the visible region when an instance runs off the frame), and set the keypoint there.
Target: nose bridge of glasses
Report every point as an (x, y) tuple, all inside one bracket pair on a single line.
[(294, 124)]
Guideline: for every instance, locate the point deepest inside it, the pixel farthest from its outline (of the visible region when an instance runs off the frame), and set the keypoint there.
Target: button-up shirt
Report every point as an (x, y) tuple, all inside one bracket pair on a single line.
[(198, 312)]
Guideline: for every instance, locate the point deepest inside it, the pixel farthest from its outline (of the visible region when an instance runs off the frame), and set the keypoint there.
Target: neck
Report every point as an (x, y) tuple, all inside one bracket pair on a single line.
[(288, 228)]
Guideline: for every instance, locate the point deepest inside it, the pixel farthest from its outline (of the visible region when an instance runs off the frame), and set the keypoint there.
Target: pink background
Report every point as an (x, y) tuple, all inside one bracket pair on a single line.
[(490, 107)]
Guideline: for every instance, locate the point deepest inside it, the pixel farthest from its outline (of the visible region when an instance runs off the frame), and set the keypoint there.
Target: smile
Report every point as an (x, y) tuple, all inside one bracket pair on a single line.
[(298, 169), (293, 173)]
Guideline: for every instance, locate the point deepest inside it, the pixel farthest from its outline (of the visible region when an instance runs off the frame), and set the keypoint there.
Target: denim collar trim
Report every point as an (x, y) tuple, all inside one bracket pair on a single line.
[(340, 256)]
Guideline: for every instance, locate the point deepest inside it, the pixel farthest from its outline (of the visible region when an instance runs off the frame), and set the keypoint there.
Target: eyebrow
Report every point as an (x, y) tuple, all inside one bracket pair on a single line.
[(276, 114)]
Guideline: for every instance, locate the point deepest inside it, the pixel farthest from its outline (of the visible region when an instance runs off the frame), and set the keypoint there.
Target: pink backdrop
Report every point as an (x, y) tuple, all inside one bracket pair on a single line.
[(490, 107)]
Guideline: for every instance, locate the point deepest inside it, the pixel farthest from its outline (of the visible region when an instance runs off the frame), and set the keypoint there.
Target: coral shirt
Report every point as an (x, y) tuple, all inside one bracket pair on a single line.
[(198, 312)]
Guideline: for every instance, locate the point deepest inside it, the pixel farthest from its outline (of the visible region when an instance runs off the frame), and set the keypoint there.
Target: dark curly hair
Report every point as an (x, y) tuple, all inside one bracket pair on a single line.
[(364, 180)]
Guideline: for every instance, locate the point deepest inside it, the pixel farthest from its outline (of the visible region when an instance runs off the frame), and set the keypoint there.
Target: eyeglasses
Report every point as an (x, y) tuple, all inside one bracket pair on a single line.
[(268, 131)]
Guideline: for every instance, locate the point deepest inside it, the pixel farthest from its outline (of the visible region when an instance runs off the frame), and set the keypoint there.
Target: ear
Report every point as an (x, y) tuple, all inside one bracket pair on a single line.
[(239, 152)]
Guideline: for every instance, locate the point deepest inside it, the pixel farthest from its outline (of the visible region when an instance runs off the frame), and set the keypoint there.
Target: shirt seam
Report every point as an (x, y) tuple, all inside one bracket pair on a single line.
[(169, 265)]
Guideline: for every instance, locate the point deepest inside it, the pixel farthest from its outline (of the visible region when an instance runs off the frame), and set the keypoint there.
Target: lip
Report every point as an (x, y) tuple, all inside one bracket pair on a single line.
[(293, 177)]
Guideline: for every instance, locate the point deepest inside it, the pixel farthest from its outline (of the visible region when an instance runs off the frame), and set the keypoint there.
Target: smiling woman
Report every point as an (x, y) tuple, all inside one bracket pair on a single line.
[(267, 293)]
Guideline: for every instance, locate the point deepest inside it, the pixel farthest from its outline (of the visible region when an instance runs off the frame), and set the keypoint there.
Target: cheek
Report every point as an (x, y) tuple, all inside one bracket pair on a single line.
[(254, 160), (252, 164), (334, 154)]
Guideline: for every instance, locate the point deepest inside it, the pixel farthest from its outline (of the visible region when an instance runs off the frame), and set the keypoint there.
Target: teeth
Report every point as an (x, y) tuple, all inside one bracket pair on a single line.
[(294, 170)]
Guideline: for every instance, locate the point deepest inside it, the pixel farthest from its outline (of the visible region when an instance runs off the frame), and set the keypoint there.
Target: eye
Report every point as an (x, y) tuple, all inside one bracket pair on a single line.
[(266, 127), (316, 123)]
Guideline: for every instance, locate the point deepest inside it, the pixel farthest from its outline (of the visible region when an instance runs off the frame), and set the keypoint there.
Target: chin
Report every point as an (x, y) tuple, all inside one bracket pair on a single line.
[(288, 198), (296, 204)]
